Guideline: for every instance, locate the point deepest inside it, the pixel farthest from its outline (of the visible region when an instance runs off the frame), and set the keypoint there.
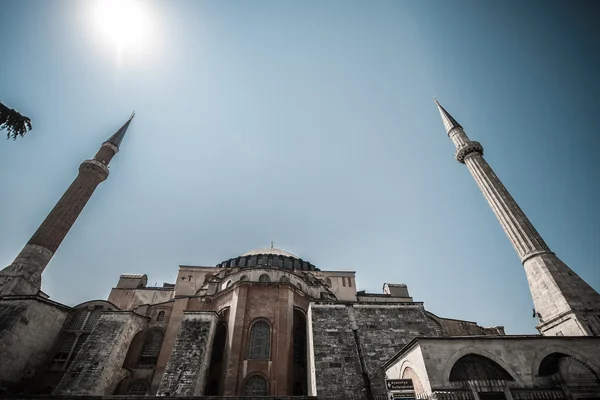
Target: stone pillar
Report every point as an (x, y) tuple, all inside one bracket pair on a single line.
[(564, 303), (187, 370), (98, 368), (24, 275)]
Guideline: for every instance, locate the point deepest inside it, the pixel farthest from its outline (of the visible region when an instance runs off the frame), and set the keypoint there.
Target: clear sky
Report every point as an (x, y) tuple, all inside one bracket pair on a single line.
[(311, 124)]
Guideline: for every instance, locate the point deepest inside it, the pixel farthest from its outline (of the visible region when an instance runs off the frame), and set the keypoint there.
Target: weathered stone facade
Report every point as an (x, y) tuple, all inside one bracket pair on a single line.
[(98, 368), (187, 370), (29, 327)]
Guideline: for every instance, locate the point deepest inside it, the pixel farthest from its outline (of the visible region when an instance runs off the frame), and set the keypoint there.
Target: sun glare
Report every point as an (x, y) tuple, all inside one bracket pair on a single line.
[(121, 21)]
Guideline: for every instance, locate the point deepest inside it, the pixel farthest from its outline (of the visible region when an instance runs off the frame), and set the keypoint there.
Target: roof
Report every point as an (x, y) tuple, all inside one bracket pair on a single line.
[(270, 250), (134, 276)]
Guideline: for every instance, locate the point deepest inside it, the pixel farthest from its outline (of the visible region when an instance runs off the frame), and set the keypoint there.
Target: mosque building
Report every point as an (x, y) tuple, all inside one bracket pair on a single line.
[(270, 323)]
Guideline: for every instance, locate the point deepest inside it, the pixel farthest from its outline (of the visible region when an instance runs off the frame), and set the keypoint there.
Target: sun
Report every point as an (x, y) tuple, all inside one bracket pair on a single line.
[(122, 21)]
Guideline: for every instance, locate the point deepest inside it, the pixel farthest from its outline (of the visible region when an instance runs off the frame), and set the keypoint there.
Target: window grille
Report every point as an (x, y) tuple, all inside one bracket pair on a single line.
[(139, 388), (92, 320), (256, 386), (63, 351), (244, 278), (151, 348), (259, 347), (284, 278), (160, 316), (264, 278), (77, 320)]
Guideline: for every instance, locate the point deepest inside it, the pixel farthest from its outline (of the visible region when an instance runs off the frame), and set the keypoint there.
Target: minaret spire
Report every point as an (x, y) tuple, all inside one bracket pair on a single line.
[(565, 304), (449, 122), (118, 136), (24, 275)]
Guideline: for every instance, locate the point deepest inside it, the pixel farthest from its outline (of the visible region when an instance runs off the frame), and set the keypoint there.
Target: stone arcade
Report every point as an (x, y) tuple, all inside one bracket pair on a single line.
[(269, 323)]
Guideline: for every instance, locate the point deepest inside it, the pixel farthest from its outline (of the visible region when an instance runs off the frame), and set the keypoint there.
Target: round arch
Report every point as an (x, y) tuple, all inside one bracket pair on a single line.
[(546, 351), (407, 365), (480, 352), (254, 376)]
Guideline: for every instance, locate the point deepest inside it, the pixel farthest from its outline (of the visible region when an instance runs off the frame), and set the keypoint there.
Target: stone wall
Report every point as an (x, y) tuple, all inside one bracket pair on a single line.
[(187, 369), (98, 368), (29, 327), (383, 330), (336, 361), (351, 343)]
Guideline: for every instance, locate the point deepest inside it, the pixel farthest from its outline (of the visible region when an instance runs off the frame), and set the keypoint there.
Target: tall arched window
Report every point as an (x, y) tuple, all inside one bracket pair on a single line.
[(160, 316), (139, 388), (264, 278), (284, 278), (259, 346), (151, 349), (256, 385)]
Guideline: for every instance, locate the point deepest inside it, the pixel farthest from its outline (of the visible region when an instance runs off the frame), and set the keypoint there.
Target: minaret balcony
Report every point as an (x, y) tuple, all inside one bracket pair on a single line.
[(96, 168), (466, 149)]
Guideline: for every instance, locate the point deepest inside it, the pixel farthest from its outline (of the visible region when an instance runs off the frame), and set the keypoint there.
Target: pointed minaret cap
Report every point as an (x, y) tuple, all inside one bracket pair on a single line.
[(118, 136), (449, 121)]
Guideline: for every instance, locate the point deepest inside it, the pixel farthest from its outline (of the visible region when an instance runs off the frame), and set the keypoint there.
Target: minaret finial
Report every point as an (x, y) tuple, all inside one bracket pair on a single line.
[(118, 136), (271, 245), (449, 122)]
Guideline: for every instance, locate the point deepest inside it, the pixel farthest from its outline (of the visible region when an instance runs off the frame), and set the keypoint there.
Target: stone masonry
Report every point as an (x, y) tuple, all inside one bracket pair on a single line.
[(187, 369), (29, 327), (98, 368), (351, 343)]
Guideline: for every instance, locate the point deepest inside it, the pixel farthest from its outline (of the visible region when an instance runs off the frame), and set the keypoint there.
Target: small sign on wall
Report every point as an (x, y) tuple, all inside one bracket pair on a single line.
[(399, 384)]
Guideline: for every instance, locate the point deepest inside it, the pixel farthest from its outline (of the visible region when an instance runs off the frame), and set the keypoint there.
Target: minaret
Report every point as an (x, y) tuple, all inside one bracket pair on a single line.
[(24, 275), (564, 303)]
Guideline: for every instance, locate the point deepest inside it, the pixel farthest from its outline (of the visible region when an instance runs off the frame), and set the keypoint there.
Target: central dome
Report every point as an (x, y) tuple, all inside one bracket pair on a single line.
[(270, 250), (268, 257)]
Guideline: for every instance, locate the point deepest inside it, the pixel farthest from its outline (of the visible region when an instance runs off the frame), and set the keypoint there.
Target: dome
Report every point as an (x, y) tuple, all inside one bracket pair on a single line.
[(270, 250), (268, 257)]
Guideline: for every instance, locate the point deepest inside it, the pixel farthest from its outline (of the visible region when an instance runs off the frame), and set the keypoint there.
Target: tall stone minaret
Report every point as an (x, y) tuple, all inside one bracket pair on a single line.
[(24, 275), (564, 303)]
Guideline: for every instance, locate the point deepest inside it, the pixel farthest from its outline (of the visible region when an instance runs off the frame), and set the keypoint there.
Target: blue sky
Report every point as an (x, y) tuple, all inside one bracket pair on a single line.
[(311, 124)]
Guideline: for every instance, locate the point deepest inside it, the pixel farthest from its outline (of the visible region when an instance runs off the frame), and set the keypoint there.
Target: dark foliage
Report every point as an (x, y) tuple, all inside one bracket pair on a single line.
[(15, 124)]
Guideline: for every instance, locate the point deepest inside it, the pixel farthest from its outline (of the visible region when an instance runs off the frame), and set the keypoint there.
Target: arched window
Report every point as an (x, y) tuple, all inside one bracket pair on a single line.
[(259, 346), (474, 367), (151, 349), (284, 278), (160, 316), (227, 284), (256, 385), (328, 282), (299, 285), (264, 278), (244, 278), (139, 388)]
